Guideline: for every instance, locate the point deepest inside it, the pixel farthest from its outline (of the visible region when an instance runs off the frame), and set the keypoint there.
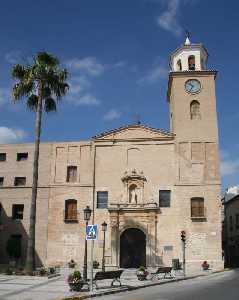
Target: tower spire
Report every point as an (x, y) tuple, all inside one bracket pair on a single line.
[(187, 40)]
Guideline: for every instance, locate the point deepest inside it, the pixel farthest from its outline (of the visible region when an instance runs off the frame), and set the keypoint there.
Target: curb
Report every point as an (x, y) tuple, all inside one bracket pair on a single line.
[(132, 288)]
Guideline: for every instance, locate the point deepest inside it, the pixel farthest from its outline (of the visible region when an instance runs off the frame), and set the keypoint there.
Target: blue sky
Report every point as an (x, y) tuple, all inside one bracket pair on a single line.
[(117, 54)]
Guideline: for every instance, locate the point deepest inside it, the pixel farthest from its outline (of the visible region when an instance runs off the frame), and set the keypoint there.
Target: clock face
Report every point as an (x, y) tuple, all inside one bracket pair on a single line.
[(193, 86)]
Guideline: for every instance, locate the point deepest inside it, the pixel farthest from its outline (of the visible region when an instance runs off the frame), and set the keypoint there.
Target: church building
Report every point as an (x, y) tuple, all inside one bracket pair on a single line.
[(147, 184)]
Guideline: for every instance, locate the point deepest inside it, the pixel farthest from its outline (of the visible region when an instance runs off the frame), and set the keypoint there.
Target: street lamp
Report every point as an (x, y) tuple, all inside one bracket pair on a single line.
[(87, 214), (104, 228)]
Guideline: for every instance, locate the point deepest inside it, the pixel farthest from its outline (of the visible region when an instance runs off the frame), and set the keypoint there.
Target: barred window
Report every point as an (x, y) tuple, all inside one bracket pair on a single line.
[(231, 223), (71, 210), (22, 156), (237, 221), (197, 208), (164, 198), (1, 181), (102, 199), (71, 174), (20, 181), (3, 156), (17, 211)]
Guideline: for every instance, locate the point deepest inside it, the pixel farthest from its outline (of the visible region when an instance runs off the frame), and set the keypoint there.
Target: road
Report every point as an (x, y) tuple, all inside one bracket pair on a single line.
[(220, 286)]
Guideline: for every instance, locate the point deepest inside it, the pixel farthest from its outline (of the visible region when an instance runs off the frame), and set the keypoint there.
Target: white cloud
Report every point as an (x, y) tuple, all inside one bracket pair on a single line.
[(79, 93), (13, 57), (11, 135), (4, 96), (168, 20), (119, 64), (229, 166), (78, 84), (112, 114), (86, 99), (89, 65), (158, 71)]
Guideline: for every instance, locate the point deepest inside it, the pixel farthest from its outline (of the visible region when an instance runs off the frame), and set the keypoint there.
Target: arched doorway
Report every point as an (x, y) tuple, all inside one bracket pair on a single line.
[(132, 248)]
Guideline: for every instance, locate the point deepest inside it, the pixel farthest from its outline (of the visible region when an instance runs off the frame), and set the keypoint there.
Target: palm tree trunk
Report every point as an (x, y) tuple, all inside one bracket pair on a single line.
[(30, 259)]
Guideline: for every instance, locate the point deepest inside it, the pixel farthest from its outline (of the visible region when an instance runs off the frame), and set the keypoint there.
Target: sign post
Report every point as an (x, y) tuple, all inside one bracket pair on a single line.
[(91, 234), (183, 239)]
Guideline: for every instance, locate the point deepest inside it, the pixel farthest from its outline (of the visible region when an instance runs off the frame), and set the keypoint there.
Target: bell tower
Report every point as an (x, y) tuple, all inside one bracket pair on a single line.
[(191, 94)]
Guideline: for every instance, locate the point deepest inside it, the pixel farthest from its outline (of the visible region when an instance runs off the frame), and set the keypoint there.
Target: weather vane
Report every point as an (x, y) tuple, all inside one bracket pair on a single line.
[(136, 118), (187, 33)]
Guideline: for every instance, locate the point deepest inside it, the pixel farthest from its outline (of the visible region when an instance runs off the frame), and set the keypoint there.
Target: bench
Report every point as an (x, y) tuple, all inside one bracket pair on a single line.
[(162, 270), (115, 275)]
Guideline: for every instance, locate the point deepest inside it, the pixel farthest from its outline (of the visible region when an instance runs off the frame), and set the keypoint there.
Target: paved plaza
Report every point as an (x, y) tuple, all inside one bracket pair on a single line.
[(41, 288)]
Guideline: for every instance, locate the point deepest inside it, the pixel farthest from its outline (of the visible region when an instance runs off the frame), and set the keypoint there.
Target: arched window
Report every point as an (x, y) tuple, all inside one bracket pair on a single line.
[(195, 110), (179, 65), (71, 210), (133, 197), (71, 174), (191, 62)]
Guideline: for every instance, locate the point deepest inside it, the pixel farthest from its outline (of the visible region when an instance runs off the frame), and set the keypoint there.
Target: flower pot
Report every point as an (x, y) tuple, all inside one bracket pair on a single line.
[(142, 276), (76, 286)]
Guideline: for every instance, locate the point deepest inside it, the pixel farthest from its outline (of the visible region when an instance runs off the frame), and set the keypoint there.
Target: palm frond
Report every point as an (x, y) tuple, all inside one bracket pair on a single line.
[(22, 89), (44, 58), (19, 71), (32, 102), (50, 105)]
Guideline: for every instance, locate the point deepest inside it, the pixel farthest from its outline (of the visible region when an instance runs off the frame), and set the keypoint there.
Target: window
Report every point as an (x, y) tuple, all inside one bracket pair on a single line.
[(22, 156), (164, 198), (102, 199), (1, 181), (17, 211), (191, 62), (237, 221), (71, 210), (195, 110), (71, 174), (230, 223), (19, 181), (197, 208), (3, 156), (179, 65)]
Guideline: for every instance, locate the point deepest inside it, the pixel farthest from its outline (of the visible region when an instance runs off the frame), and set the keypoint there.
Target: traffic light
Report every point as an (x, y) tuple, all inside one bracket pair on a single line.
[(183, 236)]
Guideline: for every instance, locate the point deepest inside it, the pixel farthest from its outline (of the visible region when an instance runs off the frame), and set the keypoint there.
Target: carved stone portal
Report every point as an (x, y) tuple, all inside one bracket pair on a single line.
[(134, 186)]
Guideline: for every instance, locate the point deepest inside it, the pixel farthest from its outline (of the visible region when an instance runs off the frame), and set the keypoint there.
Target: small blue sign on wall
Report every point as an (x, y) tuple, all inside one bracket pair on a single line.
[(91, 232)]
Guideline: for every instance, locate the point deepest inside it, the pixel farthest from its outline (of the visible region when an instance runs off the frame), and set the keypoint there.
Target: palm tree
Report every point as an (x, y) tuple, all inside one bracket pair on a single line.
[(42, 83)]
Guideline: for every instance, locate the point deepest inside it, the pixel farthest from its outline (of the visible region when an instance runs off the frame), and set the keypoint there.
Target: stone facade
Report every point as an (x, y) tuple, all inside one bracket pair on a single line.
[(231, 231), (135, 164)]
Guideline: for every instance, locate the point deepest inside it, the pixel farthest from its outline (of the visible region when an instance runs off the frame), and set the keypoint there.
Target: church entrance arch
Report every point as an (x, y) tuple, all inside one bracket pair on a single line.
[(132, 248)]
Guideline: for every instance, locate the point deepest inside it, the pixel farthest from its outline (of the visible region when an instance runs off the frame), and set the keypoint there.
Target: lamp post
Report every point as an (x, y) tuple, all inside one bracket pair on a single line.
[(87, 214), (104, 228)]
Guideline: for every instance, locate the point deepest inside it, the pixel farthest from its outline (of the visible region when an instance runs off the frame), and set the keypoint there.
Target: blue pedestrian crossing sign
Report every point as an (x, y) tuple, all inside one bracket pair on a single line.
[(91, 232)]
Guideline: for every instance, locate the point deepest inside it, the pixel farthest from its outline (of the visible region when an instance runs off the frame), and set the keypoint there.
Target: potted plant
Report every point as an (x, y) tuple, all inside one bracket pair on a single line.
[(71, 263), (75, 281), (96, 264), (142, 273), (205, 265)]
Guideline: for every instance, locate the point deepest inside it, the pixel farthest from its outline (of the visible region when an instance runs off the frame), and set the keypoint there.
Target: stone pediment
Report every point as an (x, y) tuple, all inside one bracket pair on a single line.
[(134, 132)]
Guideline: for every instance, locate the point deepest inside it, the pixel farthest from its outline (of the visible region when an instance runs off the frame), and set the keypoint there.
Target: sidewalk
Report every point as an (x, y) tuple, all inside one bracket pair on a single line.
[(38, 288), (130, 282)]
